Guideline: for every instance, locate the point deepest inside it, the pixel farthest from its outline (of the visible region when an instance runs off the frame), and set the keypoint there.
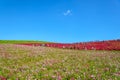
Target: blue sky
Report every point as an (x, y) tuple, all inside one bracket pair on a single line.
[(60, 20)]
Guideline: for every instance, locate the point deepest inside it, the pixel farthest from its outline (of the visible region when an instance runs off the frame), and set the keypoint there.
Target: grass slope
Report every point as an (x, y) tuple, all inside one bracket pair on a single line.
[(20, 41), (42, 63)]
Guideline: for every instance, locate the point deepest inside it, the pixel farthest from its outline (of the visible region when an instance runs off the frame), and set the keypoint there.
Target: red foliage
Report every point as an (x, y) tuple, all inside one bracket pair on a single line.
[(97, 45), (2, 78)]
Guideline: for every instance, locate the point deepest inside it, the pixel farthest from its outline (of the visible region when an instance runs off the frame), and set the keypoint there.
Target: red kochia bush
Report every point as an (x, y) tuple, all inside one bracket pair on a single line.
[(2, 78), (98, 45)]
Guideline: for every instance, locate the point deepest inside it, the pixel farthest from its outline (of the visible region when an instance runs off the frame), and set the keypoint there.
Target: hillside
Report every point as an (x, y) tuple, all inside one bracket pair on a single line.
[(20, 62), (93, 45), (20, 41)]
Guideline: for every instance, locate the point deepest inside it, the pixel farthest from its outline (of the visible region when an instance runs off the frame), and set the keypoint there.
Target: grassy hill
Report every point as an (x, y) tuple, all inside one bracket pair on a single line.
[(93, 45), (20, 41), (19, 62)]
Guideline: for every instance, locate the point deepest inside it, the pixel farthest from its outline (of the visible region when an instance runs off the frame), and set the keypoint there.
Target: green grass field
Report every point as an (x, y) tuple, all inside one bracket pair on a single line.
[(20, 41), (19, 62)]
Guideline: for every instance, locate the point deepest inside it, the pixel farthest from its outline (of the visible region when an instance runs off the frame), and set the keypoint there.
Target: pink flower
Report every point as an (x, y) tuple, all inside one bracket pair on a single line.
[(53, 76), (92, 76), (59, 77)]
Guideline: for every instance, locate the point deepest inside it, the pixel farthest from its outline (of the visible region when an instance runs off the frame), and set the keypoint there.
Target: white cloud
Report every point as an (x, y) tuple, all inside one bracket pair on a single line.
[(68, 12)]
